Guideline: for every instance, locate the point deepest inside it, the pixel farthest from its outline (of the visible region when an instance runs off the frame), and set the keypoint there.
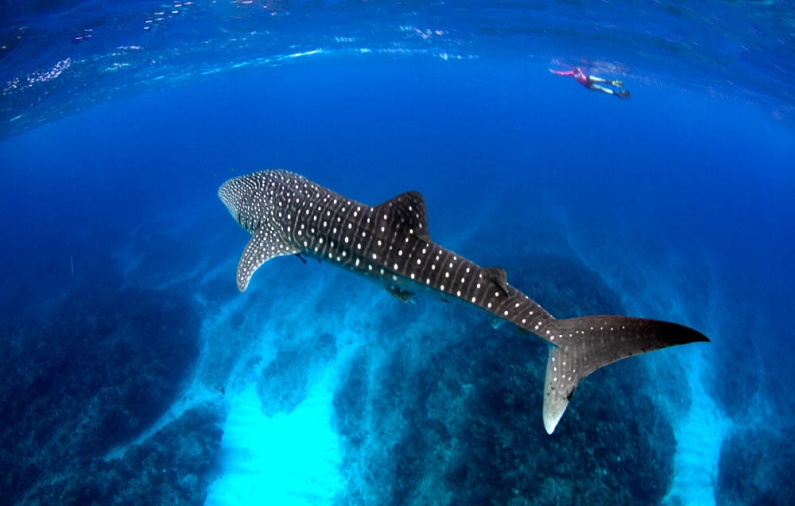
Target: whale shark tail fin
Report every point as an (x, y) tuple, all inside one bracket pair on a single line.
[(583, 345)]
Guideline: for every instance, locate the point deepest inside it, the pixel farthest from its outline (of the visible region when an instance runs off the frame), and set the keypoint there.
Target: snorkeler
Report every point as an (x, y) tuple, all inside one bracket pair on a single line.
[(594, 83)]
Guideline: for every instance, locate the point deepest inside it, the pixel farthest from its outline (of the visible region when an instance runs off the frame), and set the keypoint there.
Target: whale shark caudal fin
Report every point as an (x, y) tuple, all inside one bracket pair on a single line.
[(583, 345)]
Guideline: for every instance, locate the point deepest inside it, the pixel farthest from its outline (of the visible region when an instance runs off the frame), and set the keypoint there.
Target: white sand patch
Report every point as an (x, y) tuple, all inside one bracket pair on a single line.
[(287, 459), (699, 437)]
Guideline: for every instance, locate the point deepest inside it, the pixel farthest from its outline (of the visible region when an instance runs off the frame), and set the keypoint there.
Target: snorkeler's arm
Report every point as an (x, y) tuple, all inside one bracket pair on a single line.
[(562, 72)]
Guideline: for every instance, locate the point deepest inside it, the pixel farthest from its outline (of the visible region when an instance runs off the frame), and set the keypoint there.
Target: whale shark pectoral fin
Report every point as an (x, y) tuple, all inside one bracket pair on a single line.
[(264, 245), (583, 345)]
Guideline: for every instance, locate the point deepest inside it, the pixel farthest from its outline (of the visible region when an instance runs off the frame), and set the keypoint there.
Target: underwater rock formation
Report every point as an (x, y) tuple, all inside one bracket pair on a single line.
[(90, 376), (755, 468), (450, 416)]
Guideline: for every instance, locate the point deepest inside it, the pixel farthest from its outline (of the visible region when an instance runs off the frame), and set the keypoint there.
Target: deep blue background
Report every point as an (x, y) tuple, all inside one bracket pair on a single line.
[(705, 175), (682, 201)]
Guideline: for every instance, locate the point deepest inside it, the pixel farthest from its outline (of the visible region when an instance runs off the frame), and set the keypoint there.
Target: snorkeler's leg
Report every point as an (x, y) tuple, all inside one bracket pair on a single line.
[(603, 89), (613, 82)]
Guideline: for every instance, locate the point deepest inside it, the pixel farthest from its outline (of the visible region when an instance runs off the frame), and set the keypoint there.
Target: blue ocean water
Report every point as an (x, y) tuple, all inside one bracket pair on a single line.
[(135, 372)]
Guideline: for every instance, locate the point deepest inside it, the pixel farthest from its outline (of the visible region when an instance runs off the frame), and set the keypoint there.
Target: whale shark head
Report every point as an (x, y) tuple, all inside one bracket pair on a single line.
[(288, 214), (263, 203), (251, 198)]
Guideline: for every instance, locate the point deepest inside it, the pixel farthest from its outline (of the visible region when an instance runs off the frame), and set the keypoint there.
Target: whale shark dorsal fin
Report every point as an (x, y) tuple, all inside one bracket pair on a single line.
[(408, 211), (264, 245), (499, 277)]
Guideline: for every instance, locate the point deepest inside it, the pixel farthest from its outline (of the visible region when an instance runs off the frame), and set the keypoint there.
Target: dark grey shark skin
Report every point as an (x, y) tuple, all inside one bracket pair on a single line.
[(288, 214)]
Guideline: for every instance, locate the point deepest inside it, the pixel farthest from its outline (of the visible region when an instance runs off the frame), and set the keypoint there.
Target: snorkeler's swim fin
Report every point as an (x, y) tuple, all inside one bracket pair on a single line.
[(622, 94)]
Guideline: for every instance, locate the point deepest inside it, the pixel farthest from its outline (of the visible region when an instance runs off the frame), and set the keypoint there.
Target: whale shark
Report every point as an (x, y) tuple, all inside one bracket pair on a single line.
[(288, 214)]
